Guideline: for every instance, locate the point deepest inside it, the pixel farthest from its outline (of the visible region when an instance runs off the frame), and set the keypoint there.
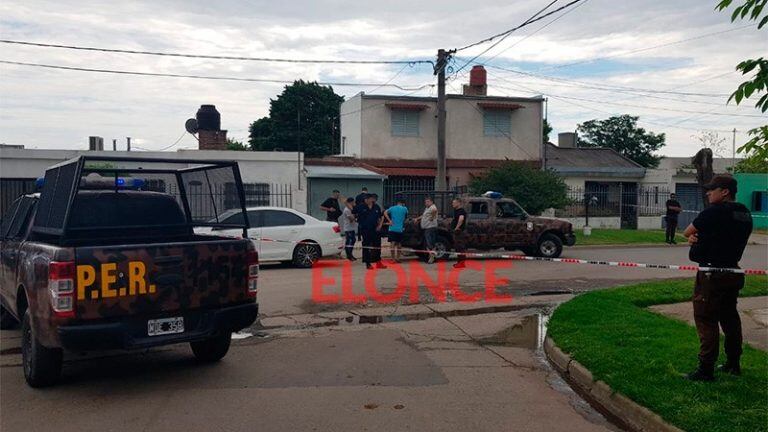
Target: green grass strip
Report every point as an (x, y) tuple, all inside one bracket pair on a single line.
[(642, 355), (623, 236)]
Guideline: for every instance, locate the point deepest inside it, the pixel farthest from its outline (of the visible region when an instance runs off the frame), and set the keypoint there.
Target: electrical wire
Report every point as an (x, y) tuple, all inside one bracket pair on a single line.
[(220, 78), (623, 53), (214, 57), (529, 21)]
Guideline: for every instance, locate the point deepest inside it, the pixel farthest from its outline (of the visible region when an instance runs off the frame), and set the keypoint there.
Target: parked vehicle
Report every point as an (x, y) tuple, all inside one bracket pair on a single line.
[(286, 235), (498, 223), (97, 261)]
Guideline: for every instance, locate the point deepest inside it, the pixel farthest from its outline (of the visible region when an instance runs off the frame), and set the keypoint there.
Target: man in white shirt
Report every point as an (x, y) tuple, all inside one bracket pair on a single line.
[(429, 225), (348, 225)]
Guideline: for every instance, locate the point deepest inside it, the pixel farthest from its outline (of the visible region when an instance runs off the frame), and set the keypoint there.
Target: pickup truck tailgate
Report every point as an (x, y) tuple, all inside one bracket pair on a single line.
[(154, 279)]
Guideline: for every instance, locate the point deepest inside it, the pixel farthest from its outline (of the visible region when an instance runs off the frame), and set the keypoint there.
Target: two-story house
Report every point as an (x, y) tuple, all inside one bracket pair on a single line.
[(398, 134)]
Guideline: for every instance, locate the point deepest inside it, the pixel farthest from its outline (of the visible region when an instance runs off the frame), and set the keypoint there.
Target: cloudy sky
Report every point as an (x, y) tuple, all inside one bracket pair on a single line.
[(597, 60)]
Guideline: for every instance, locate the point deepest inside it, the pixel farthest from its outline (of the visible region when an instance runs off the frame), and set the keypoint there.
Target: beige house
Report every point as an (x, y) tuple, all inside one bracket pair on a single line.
[(399, 133)]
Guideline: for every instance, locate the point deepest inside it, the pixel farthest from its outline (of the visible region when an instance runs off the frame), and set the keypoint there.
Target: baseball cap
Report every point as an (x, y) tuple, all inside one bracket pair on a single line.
[(723, 181)]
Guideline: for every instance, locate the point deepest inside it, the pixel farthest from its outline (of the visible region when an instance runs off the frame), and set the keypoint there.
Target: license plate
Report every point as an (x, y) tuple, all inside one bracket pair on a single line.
[(165, 326)]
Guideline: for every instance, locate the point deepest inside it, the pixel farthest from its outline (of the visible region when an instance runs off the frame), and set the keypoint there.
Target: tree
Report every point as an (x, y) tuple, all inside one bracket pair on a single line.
[(751, 165), (547, 130), (712, 141), (534, 189), (757, 146), (304, 115), (233, 144), (622, 134)]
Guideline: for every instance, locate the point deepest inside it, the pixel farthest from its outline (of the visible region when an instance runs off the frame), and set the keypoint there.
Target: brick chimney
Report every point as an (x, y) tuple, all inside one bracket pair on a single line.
[(209, 132), (477, 82)]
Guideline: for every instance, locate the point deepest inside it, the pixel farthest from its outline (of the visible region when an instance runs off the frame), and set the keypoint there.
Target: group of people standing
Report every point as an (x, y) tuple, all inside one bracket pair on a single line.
[(363, 219)]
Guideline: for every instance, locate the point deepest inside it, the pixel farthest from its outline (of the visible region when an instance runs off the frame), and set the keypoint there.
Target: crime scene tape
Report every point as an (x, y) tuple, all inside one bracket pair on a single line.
[(519, 257)]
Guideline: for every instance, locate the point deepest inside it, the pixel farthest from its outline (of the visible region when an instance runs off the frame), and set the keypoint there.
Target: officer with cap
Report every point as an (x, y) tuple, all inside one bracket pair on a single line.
[(718, 237)]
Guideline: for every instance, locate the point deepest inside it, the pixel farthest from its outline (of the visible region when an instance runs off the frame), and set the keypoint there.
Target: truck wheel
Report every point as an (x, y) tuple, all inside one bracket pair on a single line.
[(550, 246), (442, 247), (305, 255), (213, 349), (42, 365), (7, 321)]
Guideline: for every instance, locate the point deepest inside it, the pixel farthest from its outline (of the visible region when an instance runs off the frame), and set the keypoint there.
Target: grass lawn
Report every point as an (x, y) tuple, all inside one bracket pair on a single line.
[(642, 355), (621, 236)]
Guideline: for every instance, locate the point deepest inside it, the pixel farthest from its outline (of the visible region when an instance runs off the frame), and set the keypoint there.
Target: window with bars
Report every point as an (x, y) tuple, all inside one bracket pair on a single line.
[(497, 123), (405, 123)]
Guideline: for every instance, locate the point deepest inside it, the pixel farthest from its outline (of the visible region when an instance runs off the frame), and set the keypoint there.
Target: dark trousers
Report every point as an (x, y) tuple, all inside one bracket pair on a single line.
[(460, 245), (671, 227), (349, 242), (714, 307), (371, 246)]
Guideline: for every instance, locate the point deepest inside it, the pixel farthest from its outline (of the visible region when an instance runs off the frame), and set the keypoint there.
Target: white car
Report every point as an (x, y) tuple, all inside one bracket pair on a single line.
[(286, 235)]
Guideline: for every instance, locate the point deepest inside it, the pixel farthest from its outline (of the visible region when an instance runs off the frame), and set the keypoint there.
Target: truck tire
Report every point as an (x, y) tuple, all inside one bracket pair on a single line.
[(212, 349), (42, 365), (442, 247), (550, 246), (306, 254), (7, 321)]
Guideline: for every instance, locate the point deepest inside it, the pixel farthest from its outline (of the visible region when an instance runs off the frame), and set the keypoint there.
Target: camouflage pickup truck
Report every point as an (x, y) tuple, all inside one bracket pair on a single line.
[(105, 257), (494, 224)]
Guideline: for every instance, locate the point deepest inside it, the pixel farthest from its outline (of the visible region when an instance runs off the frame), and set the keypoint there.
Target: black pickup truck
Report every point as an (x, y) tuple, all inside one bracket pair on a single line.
[(105, 257)]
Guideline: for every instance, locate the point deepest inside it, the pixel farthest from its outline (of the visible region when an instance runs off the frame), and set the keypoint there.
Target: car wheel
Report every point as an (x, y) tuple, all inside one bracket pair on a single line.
[(442, 248), (305, 255), (7, 321), (212, 349), (42, 365), (550, 246)]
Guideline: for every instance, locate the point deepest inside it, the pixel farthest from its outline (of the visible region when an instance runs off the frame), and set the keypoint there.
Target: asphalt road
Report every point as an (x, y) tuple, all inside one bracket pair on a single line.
[(287, 291), (481, 373)]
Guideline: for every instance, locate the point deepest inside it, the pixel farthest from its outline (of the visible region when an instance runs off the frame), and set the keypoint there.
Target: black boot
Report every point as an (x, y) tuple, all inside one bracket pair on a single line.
[(701, 375), (731, 367)]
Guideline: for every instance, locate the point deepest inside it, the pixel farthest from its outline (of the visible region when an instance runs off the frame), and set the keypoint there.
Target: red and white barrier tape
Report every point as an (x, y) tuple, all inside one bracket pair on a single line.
[(560, 260)]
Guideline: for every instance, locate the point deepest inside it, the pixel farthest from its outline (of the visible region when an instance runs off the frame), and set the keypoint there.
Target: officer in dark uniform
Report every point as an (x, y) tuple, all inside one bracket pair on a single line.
[(718, 237), (370, 219)]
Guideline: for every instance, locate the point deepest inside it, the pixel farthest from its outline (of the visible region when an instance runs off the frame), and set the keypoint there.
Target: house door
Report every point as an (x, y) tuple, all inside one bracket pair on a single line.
[(689, 196)]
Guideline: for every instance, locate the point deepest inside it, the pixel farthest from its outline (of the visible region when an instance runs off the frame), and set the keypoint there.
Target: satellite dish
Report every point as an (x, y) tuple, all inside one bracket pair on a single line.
[(191, 126)]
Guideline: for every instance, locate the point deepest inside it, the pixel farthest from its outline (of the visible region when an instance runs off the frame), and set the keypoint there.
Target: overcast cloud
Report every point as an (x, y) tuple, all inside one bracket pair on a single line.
[(42, 108)]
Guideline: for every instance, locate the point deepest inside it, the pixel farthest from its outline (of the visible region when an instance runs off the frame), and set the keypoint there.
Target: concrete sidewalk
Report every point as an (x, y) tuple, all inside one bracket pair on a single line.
[(753, 312)]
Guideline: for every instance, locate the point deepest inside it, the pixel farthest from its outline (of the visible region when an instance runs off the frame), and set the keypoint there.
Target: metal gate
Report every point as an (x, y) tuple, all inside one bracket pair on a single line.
[(10, 189), (689, 195)]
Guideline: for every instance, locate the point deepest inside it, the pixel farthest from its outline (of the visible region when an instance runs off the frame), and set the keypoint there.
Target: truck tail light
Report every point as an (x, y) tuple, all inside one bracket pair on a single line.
[(61, 284), (336, 229), (253, 273)]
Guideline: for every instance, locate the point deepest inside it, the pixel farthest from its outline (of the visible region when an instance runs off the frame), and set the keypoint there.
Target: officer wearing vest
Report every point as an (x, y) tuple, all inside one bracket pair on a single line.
[(718, 237)]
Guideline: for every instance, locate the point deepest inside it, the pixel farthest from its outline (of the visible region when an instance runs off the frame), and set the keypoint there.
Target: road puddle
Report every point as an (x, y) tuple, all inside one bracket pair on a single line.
[(530, 334)]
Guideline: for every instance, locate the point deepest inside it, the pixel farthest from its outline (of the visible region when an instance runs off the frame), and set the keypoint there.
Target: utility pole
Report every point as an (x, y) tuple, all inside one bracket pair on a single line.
[(442, 60), (733, 154)]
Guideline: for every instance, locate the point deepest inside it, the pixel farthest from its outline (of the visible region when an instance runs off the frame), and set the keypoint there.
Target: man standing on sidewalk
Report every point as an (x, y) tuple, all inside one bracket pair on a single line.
[(348, 225), (331, 207), (369, 218), (395, 216), (458, 224), (673, 210), (718, 237), (428, 221)]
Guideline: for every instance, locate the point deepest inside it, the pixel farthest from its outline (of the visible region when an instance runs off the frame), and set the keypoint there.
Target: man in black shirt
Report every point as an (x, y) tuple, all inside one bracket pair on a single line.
[(369, 220), (718, 237), (360, 203), (458, 224), (673, 209), (331, 207)]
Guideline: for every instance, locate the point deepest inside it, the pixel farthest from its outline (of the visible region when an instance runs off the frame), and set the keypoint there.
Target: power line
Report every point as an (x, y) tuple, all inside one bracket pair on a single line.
[(529, 21), (506, 34), (215, 57), (206, 77), (623, 53), (611, 86)]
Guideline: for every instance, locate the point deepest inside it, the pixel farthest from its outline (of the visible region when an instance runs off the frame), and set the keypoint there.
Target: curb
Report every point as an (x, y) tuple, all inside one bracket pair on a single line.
[(636, 417)]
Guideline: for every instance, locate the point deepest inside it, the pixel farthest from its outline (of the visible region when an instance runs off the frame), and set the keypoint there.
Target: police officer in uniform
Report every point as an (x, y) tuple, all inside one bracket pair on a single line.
[(718, 237)]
